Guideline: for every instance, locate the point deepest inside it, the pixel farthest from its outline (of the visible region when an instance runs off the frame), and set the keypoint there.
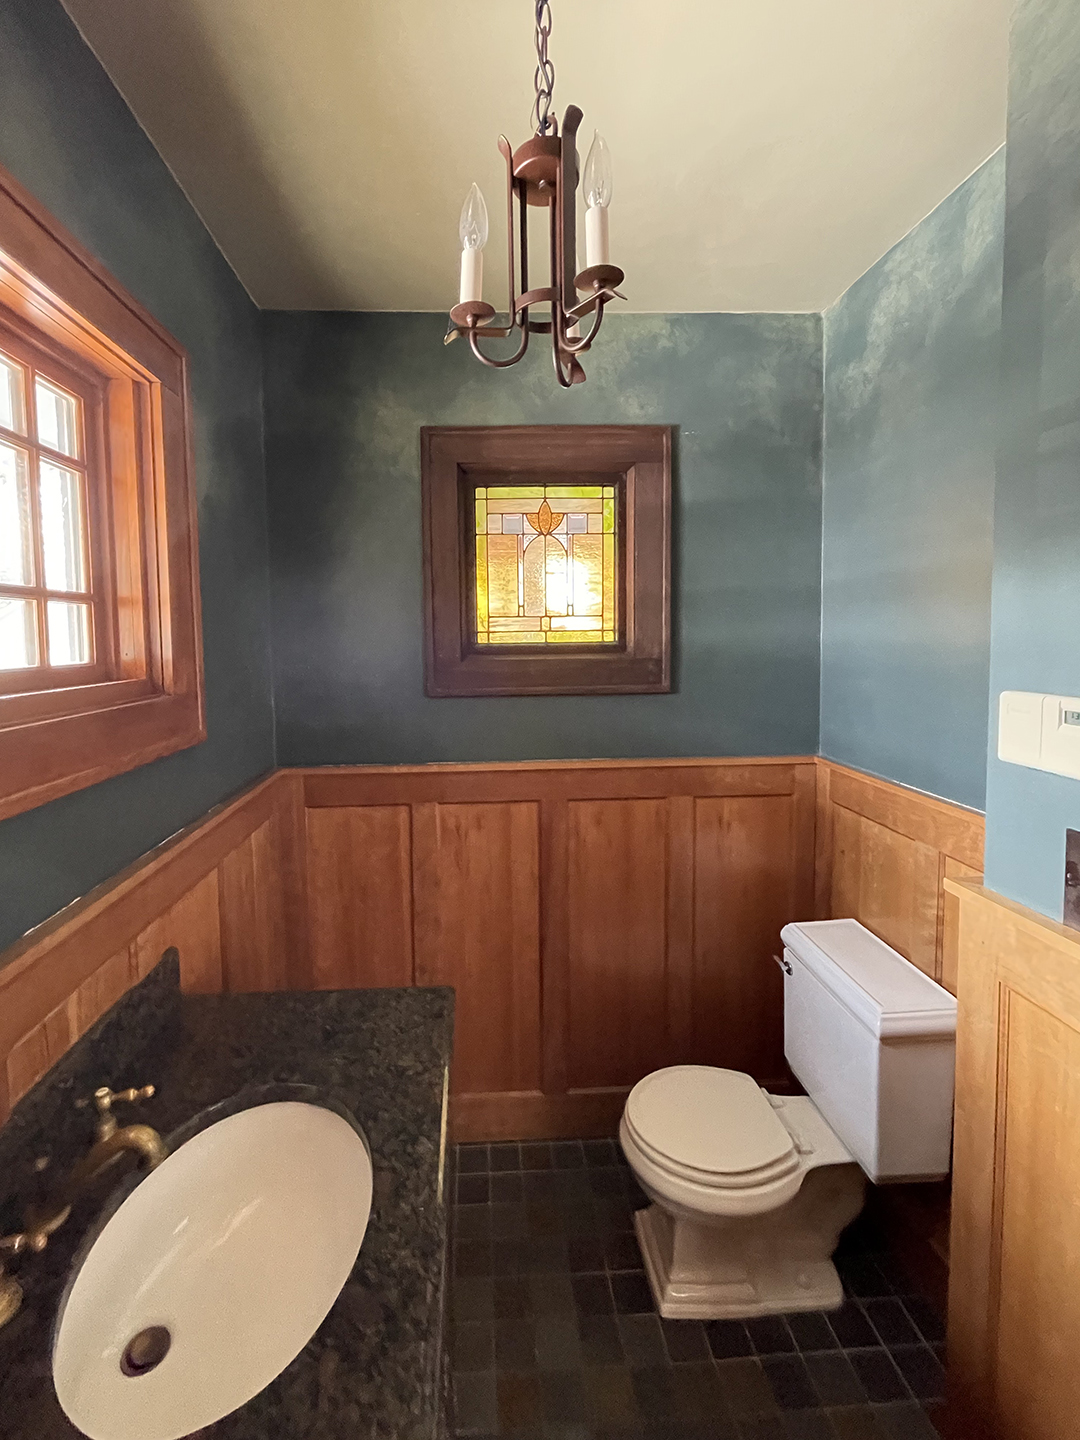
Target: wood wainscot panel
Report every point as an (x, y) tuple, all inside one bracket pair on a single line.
[(359, 891), (617, 864), (1014, 1293), (628, 923), (221, 891), (745, 891), (476, 889), (883, 853)]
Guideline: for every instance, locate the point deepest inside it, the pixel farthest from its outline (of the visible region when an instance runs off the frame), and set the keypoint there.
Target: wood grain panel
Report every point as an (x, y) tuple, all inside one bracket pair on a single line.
[(617, 948), (882, 856), (252, 914), (950, 922), (1014, 1293), (359, 889), (193, 926), (744, 894), (477, 927), (889, 882)]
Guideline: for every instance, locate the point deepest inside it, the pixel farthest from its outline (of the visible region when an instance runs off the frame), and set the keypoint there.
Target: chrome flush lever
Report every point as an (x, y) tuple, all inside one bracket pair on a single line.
[(784, 963)]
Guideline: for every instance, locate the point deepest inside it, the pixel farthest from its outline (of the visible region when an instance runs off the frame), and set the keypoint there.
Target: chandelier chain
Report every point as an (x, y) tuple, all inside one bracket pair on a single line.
[(544, 77)]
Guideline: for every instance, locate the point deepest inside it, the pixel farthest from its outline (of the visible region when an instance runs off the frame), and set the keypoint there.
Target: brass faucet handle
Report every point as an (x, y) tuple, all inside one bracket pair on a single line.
[(104, 1097)]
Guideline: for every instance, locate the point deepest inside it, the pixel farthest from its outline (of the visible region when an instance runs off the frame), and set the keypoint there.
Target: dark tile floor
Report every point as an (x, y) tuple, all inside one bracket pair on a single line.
[(555, 1335)]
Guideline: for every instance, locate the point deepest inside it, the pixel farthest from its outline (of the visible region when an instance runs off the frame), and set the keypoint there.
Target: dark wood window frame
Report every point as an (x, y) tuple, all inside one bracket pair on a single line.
[(143, 696), (637, 459)]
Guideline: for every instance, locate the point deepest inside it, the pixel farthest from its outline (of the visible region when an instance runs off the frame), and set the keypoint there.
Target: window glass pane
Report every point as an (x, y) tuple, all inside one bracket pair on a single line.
[(16, 536), (57, 418), (18, 634), (63, 534), (546, 573), (69, 633), (12, 396)]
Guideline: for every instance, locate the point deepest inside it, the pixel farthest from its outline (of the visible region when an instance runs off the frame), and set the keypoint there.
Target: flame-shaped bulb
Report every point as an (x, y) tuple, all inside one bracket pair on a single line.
[(473, 225), (597, 180)]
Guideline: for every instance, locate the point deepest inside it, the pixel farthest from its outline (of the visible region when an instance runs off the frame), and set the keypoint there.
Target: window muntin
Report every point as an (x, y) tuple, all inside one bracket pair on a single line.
[(50, 598), (545, 564)]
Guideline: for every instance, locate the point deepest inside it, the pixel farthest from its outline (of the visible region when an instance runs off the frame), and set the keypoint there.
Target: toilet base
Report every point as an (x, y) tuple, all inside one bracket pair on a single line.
[(768, 1264)]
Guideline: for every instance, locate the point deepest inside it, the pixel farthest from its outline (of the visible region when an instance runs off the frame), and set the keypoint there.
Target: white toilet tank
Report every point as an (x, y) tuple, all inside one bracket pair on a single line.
[(872, 1039)]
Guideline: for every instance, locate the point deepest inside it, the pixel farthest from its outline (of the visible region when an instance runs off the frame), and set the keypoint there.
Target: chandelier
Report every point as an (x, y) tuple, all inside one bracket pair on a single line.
[(542, 172)]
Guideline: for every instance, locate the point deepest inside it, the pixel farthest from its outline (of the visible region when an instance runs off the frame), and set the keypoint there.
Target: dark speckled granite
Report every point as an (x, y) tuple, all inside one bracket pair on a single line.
[(374, 1367)]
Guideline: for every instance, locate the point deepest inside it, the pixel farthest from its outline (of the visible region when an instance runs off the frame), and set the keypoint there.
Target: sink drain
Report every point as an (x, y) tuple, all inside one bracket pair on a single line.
[(146, 1350)]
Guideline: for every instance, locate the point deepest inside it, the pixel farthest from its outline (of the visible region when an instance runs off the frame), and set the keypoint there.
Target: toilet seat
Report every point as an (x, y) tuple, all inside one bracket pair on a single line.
[(711, 1127), (711, 1142)]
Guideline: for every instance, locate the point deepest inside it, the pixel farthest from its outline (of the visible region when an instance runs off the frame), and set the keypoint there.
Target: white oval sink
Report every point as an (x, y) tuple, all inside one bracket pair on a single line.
[(235, 1247)]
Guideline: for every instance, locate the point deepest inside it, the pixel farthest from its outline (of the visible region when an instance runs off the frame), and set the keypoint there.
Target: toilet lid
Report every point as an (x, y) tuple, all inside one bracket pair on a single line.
[(715, 1122)]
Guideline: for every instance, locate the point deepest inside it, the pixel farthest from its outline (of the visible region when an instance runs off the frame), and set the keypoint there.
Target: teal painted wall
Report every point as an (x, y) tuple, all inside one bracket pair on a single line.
[(345, 398), (68, 137), (912, 384), (1036, 597)]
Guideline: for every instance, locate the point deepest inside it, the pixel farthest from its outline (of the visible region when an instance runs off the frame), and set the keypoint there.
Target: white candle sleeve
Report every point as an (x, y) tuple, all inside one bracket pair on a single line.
[(472, 276), (596, 236)]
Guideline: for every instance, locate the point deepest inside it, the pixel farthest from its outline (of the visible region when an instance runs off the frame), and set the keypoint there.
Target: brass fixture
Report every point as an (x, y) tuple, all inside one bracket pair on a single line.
[(110, 1142)]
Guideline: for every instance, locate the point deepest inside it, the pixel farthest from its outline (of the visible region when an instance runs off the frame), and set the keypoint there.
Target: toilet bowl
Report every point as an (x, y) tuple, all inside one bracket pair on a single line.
[(750, 1191)]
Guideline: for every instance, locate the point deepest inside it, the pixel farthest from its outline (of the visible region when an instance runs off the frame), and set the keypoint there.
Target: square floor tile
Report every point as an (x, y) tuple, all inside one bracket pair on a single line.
[(601, 1342), (519, 1401), (812, 1331), (642, 1341), (515, 1344), (592, 1294), (922, 1370), (558, 1343), (504, 1157), (770, 1335), (880, 1378), (890, 1320), (728, 1339), (789, 1381), (834, 1380), (472, 1159), (631, 1293), (685, 1340)]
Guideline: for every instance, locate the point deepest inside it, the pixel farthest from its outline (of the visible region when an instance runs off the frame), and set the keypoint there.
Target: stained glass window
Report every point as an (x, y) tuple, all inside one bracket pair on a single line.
[(546, 564)]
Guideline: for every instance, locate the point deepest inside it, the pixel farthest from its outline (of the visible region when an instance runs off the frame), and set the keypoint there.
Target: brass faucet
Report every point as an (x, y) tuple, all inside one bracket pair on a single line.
[(110, 1142)]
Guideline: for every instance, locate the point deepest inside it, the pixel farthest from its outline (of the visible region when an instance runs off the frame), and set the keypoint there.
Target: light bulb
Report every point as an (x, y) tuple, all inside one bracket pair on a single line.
[(597, 182), (473, 225)]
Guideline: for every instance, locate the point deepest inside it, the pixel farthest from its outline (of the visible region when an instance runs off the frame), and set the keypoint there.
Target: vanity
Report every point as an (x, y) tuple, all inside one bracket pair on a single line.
[(374, 1064)]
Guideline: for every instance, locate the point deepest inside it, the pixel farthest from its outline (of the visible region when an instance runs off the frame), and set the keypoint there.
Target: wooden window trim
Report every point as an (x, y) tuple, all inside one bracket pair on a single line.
[(638, 459), (144, 696)]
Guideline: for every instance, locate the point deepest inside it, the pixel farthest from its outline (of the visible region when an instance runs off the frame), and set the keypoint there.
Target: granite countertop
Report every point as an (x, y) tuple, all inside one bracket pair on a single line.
[(375, 1366)]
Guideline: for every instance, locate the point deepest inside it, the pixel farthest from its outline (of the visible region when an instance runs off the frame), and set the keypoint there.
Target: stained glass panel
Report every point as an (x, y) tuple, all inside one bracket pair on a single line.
[(546, 564)]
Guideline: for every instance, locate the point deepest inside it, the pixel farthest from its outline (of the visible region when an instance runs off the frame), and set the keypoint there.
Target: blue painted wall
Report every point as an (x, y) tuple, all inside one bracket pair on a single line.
[(1036, 599), (911, 403), (346, 396), (68, 136)]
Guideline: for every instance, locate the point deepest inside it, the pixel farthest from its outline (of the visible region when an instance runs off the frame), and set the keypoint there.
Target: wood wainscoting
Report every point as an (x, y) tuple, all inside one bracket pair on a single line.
[(1014, 1294), (883, 855), (222, 891), (597, 919)]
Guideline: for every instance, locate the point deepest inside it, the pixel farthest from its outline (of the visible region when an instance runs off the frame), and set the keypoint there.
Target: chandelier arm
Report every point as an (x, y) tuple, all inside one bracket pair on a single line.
[(575, 346), (508, 156), (564, 241), (474, 346)]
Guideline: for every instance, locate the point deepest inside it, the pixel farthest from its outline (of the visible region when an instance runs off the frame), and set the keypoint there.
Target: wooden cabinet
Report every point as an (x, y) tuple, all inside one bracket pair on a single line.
[(1014, 1295)]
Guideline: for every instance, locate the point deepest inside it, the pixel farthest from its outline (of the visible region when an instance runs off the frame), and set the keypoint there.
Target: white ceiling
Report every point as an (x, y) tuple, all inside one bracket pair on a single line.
[(766, 152)]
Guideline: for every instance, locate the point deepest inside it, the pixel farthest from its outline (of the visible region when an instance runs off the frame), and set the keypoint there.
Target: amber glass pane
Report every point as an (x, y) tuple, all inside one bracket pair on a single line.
[(546, 565)]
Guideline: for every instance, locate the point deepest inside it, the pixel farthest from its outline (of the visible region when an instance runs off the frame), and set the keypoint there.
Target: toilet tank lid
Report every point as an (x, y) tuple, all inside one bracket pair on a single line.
[(889, 995)]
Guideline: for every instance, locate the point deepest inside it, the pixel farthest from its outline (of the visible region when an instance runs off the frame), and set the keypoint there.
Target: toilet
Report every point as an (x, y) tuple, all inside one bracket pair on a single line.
[(749, 1190)]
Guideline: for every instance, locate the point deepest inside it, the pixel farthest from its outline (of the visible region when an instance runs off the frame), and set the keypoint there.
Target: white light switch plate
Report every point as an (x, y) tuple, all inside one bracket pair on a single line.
[(1020, 727), (1061, 735), (1040, 731)]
